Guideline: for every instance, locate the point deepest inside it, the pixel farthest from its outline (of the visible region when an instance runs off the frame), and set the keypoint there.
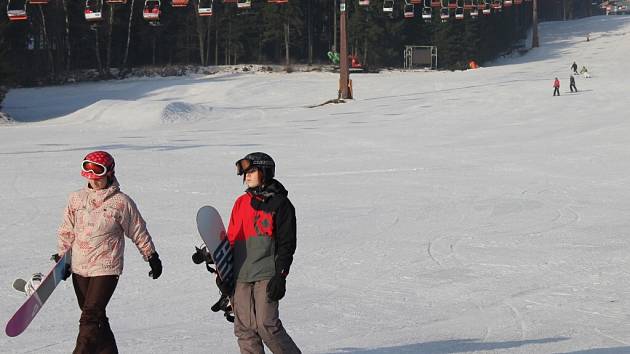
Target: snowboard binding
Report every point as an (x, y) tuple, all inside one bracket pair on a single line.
[(202, 255)]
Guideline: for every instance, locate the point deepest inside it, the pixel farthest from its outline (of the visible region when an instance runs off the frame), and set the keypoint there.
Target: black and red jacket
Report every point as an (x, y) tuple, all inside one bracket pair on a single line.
[(262, 232)]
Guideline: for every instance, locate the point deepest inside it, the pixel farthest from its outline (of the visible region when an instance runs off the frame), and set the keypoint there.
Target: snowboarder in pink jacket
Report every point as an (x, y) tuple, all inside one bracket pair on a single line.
[(95, 222)]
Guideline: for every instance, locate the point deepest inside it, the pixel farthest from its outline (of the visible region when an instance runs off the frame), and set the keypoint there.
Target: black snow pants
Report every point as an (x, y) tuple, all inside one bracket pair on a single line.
[(572, 87), (556, 90), (93, 294)]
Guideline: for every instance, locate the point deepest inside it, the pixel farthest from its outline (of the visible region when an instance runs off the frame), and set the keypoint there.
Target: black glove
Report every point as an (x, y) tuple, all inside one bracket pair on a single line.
[(55, 258), (201, 255), (225, 287), (156, 266), (277, 287)]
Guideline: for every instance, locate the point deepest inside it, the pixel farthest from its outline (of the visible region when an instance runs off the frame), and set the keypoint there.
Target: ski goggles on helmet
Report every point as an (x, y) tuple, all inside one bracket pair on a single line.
[(244, 166), (93, 167)]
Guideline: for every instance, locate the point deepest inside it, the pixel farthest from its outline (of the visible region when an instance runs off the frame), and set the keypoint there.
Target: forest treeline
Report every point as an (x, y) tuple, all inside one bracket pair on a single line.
[(56, 39)]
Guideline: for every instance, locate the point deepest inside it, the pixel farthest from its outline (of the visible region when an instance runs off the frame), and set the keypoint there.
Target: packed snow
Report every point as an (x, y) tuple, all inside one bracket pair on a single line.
[(438, 212)]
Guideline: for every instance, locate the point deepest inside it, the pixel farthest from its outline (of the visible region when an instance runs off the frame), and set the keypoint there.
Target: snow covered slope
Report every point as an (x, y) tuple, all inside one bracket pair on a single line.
[(444, 212)]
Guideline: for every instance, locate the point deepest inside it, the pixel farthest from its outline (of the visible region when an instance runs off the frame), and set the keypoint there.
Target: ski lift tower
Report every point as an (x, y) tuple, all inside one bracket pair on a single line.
[(344, 70), (416, 56)]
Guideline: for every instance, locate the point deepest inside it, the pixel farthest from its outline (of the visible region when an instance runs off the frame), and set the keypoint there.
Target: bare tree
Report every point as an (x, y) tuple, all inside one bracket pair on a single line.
[(67, 36), (46, 42), (108, 54), (123, 66)]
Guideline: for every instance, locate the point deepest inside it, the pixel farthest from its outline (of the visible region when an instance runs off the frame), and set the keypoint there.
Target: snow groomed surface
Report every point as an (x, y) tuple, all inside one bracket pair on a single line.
[(444, 212)]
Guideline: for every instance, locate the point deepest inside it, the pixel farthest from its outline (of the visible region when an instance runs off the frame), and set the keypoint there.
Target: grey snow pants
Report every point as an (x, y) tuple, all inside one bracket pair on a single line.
[(256, 321)]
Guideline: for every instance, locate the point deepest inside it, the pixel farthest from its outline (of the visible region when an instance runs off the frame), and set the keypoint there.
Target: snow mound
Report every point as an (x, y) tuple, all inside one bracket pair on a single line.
[(136, 114), (175, 112)]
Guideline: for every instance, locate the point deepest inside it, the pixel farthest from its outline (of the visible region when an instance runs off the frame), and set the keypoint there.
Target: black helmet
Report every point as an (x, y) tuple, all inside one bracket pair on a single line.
[(263, 162)]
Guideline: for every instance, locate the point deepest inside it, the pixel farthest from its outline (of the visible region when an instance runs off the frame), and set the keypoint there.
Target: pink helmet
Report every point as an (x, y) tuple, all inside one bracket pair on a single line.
[(97, 165)]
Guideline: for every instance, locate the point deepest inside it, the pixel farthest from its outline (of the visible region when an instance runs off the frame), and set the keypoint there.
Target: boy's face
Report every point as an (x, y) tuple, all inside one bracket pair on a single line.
[(253, 178)]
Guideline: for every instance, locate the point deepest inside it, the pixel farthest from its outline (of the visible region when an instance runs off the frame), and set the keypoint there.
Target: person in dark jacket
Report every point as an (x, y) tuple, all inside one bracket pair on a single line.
[(262, 232), (574, 67), (572, 84)]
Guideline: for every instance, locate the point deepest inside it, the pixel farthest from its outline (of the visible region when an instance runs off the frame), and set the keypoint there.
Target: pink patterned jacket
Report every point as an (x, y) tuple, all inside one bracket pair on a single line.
[(94, 224)]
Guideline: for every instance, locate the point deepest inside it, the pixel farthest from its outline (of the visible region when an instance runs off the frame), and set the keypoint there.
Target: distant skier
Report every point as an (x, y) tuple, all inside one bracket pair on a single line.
[(572, 84), (556, 87), (574, 67), (262, 230), (584, 72), (95, 221)]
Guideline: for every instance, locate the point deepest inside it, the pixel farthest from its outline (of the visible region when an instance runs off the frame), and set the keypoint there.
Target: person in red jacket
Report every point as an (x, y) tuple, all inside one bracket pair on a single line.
[(262, 232), (556, 87)]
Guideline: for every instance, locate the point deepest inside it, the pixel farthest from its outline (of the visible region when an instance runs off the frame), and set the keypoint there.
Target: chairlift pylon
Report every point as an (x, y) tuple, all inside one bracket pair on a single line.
[(16, 10)]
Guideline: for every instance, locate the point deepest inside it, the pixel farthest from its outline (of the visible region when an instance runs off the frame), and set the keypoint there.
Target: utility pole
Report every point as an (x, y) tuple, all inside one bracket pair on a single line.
[(535, 42), (344, 74)]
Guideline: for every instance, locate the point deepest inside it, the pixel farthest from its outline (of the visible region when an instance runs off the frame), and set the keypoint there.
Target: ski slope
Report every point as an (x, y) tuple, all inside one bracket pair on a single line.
[(440, 212)]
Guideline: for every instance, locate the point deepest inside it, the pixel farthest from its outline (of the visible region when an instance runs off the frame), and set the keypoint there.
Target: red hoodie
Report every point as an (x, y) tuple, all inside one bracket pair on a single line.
[(556, 83)]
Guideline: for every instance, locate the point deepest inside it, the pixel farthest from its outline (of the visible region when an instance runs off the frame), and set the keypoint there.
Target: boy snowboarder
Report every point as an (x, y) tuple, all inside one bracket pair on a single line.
[(572, 84), (262, 232), (556, 87)]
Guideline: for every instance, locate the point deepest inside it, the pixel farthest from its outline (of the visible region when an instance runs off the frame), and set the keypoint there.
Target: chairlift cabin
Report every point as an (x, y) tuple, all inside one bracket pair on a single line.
[(38, 2), (364, 2), (468, 4), (452, 4), (409, 10), (445, 14), (179, 3), (244, 4), (497, 5), (114, 2), (151, 10), (204, 8), (518, 2), (474, 12), (436, 3), (507, 3), (16, 10), (388, 6), (459, 13), (427, 14), (93, 10), (277, 1), (484, 5), (415, 2)]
